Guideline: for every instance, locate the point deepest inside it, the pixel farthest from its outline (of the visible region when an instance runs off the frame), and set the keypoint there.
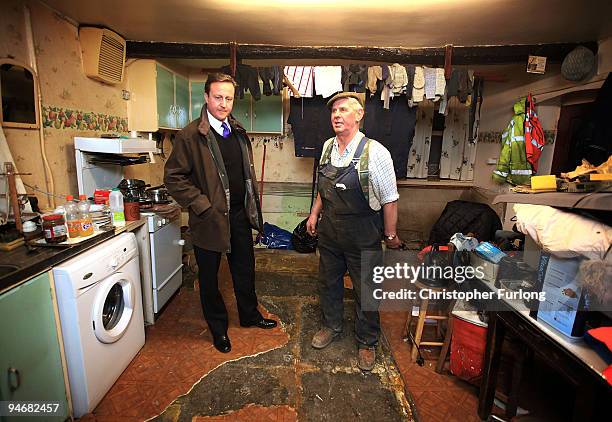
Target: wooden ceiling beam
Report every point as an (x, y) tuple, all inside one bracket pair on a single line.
[(475, 55), (166, 50)]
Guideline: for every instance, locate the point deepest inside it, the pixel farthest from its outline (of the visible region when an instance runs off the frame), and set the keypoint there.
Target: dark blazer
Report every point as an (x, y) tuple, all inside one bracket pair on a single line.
[(196, 178)]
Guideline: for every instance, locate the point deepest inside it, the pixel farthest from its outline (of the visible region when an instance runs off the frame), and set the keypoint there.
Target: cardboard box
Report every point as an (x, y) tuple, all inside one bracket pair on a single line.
[(489, 269), (562, 308)]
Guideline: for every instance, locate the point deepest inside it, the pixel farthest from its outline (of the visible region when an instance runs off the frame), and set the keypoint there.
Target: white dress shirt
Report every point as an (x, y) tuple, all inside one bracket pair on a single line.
[(216, 123)]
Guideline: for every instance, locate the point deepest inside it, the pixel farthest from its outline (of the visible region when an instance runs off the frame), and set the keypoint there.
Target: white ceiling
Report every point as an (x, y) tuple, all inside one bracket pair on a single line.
[(395, 23)]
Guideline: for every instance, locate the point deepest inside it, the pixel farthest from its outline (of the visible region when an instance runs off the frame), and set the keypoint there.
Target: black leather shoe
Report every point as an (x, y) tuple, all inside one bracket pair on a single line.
[(222, 343), (264, 323)]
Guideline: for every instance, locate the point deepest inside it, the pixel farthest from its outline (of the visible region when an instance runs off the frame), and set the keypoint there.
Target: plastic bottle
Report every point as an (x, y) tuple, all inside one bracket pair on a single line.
[(87, 228), (72, 218), (116, 206), (61, 209)]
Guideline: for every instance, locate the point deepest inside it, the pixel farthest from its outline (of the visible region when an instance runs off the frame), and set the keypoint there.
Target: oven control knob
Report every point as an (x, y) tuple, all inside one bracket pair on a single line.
[(159, 224), (181, 242), (163, 221), (114, 263)]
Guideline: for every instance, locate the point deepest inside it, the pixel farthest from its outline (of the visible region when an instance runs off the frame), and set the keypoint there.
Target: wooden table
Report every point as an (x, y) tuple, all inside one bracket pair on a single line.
[(576, 361)]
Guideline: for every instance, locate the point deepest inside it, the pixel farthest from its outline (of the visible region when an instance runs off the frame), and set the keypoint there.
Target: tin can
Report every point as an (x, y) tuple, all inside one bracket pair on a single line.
[(132, 211)]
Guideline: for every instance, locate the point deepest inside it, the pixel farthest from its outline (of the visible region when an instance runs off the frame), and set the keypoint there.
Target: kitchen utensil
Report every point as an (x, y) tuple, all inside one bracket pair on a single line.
[(134, 188), (158, 195), (132, 183), (144, 205)]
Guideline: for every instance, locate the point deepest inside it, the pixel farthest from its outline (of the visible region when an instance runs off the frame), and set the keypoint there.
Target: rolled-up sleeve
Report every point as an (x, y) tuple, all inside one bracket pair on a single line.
[(382, 174)]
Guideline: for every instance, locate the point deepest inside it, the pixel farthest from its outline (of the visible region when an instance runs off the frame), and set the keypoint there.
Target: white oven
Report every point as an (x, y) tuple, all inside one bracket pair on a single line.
[(166, 257), (160, 249)]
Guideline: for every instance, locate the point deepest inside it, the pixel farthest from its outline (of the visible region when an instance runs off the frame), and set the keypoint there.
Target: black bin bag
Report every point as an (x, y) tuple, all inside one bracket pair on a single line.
[(301, 240)]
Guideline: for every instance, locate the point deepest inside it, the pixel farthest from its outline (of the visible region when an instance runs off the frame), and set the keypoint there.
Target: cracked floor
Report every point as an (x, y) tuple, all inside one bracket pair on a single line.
[(294, 381)]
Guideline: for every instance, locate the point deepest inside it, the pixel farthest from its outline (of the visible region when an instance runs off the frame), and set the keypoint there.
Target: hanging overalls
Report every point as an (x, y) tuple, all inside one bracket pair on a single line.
[(349, 230)]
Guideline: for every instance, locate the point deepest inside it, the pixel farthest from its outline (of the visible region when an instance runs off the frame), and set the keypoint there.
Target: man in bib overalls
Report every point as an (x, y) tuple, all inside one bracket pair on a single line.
[(356, 180)]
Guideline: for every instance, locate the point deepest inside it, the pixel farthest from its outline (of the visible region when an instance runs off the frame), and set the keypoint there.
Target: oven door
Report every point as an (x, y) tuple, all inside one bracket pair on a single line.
[(166, 262)]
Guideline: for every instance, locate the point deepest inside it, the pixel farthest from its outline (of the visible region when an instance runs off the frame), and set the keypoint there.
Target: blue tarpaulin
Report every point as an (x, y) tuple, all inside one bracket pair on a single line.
[(275, 238)]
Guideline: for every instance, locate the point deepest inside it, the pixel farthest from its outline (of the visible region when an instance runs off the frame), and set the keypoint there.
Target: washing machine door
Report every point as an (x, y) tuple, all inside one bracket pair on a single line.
[(113, 307)]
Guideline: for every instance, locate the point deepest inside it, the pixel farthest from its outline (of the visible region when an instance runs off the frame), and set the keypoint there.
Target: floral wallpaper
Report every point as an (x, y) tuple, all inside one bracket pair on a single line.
[(64, 118)]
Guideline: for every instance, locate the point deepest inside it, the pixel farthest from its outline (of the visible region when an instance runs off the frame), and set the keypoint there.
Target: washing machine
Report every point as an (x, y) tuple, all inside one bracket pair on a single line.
[(100, 308)]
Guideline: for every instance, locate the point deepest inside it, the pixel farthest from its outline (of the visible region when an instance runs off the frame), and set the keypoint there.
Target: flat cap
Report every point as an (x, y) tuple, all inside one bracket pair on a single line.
[(356, 95)]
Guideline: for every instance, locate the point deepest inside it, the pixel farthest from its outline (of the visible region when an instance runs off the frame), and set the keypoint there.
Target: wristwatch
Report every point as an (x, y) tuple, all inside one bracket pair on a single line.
[(390, 236)]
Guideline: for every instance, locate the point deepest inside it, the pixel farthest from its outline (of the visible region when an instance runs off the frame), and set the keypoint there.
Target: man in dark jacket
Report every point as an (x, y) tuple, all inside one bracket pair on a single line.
[(210, 172)]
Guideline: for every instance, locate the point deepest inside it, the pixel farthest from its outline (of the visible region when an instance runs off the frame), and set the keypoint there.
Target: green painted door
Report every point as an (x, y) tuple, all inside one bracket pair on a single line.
[(242, 111), (165, 98), (268, 114), (182, 101), (30, 362), (197, 99)]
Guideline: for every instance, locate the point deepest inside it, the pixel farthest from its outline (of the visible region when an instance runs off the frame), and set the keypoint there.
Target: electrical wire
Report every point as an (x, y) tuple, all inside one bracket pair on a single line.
[(38, 88), (46, 193), (420, 361)]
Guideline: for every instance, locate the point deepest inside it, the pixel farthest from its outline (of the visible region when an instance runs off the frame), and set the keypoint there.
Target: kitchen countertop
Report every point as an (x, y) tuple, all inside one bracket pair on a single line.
[(130, 226), (30, 263)]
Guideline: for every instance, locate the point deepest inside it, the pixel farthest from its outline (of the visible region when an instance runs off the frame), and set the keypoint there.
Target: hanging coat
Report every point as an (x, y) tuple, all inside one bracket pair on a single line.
[(534, 135), (512, 165)]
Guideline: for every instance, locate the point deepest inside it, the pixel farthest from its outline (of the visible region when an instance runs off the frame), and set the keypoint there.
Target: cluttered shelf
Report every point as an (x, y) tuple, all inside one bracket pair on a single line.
[(576, 362), (580, 350), (601, 201), (588, 187)]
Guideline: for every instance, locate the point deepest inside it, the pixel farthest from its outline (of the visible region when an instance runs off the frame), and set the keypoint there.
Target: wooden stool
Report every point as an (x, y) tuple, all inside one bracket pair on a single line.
[(423, 315)]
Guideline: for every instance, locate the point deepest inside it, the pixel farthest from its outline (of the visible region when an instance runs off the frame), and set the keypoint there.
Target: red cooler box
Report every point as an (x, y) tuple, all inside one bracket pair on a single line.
[(467, 345)]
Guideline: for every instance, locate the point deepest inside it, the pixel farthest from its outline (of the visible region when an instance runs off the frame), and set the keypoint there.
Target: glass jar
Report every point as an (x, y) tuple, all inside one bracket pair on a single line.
[(54, 227)]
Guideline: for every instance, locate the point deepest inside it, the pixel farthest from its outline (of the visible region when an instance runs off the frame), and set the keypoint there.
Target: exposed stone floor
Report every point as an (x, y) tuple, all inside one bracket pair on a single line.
[(269, 375)]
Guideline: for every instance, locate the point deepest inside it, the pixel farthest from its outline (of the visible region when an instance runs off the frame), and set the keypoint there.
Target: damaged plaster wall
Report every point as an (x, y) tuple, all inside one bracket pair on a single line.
[(281, 163), (497, 110), (548, 89), (73, 104), (420, 206)]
